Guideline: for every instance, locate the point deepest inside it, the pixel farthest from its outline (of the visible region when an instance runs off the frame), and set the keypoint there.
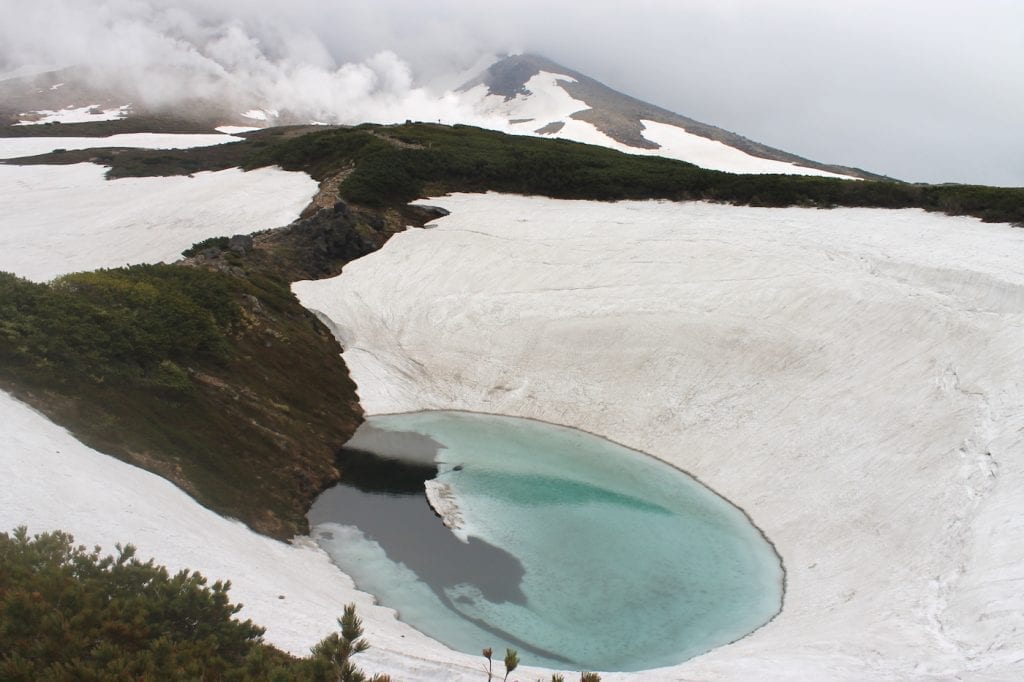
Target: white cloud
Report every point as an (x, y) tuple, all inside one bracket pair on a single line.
[(924, 90)]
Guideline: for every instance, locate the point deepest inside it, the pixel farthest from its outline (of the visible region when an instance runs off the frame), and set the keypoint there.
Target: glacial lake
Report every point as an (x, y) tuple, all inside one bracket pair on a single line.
[(580, 553)]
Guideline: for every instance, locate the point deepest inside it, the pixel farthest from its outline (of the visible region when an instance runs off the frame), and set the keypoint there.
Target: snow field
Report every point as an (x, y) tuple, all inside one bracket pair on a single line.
[(676, 143), (60, 219), (850, 378), (234, 130), (16, 147), (72, 114)]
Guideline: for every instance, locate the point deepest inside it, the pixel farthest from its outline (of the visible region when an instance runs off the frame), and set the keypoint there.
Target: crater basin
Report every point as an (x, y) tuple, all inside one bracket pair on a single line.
[(578, 552)]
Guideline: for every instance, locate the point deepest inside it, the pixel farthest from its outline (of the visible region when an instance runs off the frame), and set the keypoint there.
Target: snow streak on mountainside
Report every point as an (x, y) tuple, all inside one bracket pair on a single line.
[(535, 96), (90, 113), (547, 109)]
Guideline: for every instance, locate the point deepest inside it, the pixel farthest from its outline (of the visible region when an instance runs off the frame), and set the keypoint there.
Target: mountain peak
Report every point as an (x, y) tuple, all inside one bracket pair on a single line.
[(508, 76), (540, 96)]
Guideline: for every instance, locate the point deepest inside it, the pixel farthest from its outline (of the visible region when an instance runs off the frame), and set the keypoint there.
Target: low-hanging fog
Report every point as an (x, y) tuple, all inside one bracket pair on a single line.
[(920, 90)]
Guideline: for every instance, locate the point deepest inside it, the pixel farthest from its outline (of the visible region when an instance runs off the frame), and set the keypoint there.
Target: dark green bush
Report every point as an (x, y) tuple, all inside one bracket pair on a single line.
[(209, 243), (67, 613), (134, 325), (396, 164)]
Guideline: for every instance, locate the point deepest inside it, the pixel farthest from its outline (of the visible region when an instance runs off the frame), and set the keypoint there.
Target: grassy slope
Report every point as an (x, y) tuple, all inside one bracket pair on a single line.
[(395, 164), (219, 381)]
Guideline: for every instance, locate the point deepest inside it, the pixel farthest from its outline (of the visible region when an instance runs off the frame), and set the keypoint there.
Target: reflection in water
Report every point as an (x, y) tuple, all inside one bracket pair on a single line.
[(410, 533), (570, 544), (377, 473)]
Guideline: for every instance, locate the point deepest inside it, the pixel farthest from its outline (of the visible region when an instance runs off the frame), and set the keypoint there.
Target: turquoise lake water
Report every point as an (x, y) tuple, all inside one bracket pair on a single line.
[(578, 552)]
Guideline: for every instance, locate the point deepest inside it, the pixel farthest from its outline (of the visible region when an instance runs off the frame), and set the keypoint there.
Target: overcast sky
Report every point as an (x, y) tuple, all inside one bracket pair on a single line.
[(922, 90)]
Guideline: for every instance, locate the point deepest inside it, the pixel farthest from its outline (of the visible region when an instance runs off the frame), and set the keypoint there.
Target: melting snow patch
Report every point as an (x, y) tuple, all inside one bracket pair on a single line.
[(260, 114), (234, 130), (676, 143), (16, 147), (60, 219), (87, 114)]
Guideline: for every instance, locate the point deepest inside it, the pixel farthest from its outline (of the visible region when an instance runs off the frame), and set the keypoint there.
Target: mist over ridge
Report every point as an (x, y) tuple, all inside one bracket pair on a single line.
[(918, 92), (165, 55)]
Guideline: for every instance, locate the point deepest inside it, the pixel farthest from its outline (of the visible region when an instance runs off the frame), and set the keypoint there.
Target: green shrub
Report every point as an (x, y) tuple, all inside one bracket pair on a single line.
[(71, 613), (67, 613), (169, 367), (133, 325), (396, 164), (220, 243)]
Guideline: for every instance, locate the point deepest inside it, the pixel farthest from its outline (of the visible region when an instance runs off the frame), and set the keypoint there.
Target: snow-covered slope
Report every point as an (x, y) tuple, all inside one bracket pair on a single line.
[(534, 96), (59, 219), (53, 482), (851, 378), (15, 147), (88, 114), (78, 94), (546, 109)]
